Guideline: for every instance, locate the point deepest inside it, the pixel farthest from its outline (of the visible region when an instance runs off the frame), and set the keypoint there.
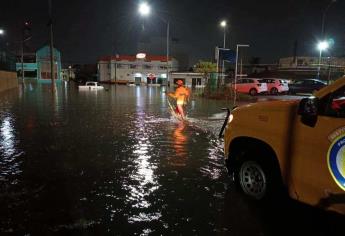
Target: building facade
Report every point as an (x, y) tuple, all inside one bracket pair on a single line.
[(43, 63), (312, 63), (37, 65), (308, 67), (139, 69)]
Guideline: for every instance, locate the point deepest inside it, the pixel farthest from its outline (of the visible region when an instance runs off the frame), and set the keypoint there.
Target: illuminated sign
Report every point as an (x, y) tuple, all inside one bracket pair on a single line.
[(141, 56)]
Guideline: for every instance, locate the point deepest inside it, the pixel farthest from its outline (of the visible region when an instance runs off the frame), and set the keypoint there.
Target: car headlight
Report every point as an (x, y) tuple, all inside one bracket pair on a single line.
[(231, 117)]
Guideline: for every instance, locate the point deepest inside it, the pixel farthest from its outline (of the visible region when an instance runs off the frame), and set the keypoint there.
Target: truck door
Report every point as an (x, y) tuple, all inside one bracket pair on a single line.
[(318, 155)]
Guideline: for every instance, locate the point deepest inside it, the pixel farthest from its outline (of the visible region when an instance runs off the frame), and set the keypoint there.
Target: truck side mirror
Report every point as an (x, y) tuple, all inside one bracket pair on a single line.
[(308, 109)]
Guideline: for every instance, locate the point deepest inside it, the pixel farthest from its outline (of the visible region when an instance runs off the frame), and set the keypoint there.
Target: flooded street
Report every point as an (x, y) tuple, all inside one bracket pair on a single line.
[(115, 162), (109, 161)]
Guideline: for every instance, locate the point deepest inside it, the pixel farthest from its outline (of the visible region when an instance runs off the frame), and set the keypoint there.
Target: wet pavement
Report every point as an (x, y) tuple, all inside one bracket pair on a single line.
[(115, 162)]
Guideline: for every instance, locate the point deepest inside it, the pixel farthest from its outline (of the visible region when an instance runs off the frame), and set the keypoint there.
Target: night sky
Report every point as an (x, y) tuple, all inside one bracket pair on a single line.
[(84, 30)]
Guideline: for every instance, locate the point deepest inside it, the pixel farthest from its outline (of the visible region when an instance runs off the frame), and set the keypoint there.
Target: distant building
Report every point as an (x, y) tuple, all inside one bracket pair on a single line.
[(37, 65), (312, 64), (190, 79), (68, 74), (29, 65), (43, 64), (139, 69)]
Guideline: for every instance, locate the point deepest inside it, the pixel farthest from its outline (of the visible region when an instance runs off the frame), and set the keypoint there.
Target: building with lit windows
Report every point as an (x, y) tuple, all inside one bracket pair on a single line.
[(136, 69), (307, 67), (37, 65)]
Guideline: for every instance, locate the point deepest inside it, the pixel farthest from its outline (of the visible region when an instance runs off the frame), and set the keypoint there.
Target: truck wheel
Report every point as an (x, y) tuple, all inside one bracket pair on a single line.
[(258, 179), (253, 92), (252, 179)]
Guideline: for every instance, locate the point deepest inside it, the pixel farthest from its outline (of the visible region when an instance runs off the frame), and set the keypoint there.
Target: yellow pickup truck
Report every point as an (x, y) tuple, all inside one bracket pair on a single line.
[(298, 146)]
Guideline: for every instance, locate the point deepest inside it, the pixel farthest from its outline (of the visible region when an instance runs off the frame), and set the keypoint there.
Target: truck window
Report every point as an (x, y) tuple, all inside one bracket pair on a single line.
[(333, 104)]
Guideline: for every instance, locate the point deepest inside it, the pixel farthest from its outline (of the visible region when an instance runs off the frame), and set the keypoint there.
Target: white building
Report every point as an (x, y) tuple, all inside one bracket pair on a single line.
[(190, 79), (139, 69), (67, 74)]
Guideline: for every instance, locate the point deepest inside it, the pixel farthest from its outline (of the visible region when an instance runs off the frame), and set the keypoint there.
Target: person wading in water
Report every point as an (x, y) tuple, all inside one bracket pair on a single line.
[(181, 95)]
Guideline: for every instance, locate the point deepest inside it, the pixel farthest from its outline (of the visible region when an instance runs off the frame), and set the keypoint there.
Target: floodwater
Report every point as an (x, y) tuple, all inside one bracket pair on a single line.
[(107, 161), (115, 162)]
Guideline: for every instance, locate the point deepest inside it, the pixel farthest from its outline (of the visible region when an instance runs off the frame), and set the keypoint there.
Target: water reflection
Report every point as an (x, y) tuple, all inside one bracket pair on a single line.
[(179, 143), (9, 165), (143, 182)]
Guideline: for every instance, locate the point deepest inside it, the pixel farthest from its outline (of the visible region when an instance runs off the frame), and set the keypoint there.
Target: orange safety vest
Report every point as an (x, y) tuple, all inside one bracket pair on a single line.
[(181, 95)]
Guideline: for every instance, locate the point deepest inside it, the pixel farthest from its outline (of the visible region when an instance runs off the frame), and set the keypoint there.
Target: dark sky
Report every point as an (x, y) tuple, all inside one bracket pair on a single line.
[(87, 29)]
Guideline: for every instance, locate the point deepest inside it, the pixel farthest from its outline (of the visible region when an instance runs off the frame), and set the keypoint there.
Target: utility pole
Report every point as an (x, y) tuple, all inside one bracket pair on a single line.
[(22, 52), (236, 69), (51, 46), (168, 31), (324, 19)]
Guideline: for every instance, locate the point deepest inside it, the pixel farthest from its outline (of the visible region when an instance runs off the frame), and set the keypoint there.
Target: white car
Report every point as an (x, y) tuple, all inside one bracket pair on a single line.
[(90, 86), (276, 86), (250, 86)]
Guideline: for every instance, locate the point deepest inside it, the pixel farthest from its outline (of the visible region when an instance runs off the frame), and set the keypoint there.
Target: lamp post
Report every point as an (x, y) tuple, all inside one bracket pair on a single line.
[(324, 18), (223, 24), (321, 46), (145, 10), (51, 45), (236, 66), (2, 32)]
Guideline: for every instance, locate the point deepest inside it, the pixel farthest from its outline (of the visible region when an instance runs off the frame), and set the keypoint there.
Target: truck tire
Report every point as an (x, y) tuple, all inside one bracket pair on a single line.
[(256, 178)]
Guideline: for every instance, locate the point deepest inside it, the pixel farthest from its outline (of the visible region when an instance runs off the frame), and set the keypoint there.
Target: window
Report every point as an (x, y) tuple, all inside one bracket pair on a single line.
[(333, 104), (319, 83), (133, 66), (147, 67), (300, 82)]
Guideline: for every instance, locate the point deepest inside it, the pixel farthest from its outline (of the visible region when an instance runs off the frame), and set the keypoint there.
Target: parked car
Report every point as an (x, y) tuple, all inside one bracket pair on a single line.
[(251, 86), (306, 86), (90, 85), (276, 86)]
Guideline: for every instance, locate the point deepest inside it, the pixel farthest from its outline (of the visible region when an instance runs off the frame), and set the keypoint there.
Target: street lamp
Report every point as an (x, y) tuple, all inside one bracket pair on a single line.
[(223, 24), (238, 46), (321, 46), (324, 18), (2, 32), (144, 10)]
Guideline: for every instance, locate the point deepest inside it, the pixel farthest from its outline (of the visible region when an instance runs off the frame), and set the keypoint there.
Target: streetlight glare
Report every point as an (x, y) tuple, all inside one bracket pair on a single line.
[(223, 23), (2, 31), (144, 9), (323, 45)]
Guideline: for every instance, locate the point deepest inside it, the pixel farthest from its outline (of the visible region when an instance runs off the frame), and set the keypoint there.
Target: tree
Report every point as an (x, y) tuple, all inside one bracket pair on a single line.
[(206, 68)]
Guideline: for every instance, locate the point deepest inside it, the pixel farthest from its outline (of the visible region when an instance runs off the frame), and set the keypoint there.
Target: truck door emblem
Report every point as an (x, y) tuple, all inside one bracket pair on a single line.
[(336, 160), (336, 133)]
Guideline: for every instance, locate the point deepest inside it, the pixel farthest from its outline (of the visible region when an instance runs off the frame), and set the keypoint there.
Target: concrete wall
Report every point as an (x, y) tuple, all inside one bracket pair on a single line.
[(8, 80)]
